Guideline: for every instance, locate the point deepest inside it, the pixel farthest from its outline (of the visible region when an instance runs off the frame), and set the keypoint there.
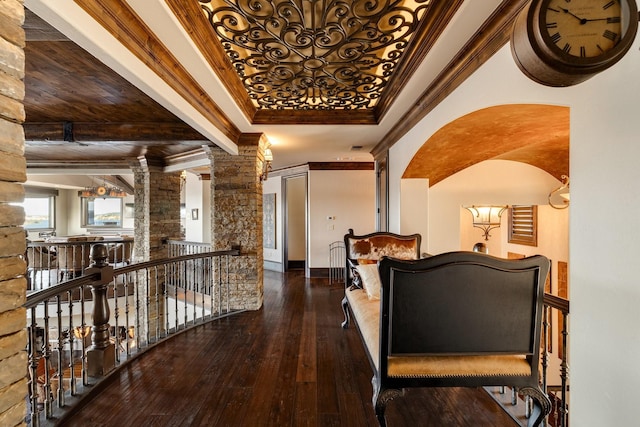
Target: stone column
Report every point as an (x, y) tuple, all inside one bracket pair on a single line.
[(157, 218), (236, 216), (13, 283)]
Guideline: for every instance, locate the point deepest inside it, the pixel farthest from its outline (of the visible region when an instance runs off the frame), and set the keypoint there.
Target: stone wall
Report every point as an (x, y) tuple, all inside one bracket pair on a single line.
[(157, 209), (13, 284), (236, 216), (157, 218)]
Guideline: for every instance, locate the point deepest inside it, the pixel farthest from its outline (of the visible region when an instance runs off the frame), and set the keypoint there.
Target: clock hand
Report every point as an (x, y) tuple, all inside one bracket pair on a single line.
[(582, 20)]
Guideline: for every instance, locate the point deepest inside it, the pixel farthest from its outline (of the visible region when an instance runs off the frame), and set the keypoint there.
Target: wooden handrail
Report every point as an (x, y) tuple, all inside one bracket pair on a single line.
[(557, 302)]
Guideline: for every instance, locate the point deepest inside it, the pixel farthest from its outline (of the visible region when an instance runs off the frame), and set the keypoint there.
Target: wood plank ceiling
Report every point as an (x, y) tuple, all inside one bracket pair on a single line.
[(78, 109)]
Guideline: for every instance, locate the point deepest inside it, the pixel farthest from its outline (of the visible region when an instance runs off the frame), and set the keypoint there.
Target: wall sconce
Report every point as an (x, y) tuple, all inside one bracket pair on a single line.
[(183, 179), (266, 164), (559, 198), (486, 217), (79, 332)]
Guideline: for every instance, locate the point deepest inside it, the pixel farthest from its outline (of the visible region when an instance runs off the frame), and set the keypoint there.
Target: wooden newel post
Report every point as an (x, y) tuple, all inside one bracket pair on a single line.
[(101, 357)]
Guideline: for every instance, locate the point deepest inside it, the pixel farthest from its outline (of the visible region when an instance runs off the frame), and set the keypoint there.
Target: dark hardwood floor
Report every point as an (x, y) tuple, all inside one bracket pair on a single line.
[(288, 364)]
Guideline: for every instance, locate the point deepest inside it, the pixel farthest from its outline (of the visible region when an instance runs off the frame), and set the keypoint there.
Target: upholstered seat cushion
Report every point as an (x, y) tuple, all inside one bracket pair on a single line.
[(366, 313), (458, 366)]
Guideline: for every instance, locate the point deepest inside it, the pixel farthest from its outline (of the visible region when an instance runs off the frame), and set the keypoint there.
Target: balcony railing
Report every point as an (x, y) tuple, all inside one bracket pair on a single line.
[(181, 247), (133, 307), (62, 258), (554, 368), (556, 382)]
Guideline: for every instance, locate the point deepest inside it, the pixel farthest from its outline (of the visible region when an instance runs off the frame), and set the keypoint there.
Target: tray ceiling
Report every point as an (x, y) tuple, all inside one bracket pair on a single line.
[(315, 55)]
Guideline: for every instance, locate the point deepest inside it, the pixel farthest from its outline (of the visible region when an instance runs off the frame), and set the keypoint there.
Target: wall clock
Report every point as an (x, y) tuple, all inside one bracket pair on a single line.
[(101, 191), (565, 42)]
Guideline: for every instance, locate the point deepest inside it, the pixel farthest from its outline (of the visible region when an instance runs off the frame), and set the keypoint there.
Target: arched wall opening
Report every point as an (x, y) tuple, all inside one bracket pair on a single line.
[(506, 154), (502, 155)]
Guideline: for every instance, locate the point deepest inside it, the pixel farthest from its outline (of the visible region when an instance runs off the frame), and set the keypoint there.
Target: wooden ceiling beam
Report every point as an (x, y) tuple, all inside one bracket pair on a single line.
[(73, 131)]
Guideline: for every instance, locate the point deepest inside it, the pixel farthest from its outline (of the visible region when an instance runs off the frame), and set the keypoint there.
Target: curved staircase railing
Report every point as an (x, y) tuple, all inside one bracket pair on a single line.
[(82, 329)]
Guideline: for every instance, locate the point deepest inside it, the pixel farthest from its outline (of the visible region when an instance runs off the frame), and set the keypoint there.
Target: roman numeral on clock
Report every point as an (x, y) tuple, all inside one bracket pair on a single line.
[(610, 35)]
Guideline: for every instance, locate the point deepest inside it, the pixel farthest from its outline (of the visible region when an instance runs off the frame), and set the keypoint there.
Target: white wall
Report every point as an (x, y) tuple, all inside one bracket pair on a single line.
[(195, 191), (347, 196), (603, 223), (414, 210), (206, 210), (604, 231), (494, 182), (274, 185)]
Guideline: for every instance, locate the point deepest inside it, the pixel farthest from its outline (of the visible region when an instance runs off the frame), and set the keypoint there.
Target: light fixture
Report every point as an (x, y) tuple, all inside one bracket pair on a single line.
[(266, 164), (103, 191), (559, 198), (80, 332), (183, 179), (486, 217)]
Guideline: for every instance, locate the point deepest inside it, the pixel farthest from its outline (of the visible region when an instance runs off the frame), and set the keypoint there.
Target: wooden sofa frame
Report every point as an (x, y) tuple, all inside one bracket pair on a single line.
[(459, 319)]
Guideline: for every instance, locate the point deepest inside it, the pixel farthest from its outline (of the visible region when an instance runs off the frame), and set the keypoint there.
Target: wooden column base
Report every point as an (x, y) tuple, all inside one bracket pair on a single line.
[(100, 361)]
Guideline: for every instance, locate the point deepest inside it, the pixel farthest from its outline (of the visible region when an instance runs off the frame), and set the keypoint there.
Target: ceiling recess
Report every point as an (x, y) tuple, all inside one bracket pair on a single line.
[(315, 55)]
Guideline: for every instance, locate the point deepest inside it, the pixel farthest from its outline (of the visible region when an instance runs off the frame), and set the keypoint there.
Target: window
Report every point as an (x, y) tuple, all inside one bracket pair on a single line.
[(523, 225), (39, 212), (102, 212)]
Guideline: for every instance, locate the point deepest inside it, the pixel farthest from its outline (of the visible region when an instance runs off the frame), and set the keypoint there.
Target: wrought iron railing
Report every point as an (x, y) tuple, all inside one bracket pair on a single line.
[(62, 258), (556, 385), (337, 259), (554, 368), (132, 308), (182, 247)]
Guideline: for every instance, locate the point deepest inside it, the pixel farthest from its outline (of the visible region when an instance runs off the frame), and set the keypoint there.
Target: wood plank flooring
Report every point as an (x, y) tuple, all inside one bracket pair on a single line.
[(288, 364)]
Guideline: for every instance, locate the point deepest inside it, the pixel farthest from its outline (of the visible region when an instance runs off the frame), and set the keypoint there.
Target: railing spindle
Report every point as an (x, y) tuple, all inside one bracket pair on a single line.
[(60, 395), (45, 348), (34, 359), (72, 376), (83, 333), (564, 372)]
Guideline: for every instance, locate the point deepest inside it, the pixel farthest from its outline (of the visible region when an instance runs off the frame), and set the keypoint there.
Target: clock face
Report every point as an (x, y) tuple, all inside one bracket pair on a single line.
[(583, 28)]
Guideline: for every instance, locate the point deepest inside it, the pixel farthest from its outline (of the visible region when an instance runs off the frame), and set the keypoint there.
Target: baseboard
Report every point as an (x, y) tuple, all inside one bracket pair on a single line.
[(296, 264), (273, 266), (319, 273)]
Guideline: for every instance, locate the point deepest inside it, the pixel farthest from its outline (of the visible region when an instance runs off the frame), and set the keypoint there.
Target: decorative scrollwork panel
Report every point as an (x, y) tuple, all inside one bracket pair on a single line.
[(314, 54)]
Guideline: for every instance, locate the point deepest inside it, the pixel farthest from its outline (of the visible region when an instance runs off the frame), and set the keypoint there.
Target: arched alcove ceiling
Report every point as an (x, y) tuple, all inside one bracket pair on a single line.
[(534, 134)]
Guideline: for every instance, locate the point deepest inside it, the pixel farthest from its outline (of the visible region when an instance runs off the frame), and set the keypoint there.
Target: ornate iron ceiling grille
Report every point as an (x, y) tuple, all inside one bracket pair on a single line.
[(314, 54)]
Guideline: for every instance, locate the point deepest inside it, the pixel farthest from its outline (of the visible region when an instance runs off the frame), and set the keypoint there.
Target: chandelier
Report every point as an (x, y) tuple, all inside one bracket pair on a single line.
[(103, 191)]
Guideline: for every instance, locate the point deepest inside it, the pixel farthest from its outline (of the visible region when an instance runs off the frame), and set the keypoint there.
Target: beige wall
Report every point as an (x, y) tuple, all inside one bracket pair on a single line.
[(296, 218), (275, 256), (347, 196)]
